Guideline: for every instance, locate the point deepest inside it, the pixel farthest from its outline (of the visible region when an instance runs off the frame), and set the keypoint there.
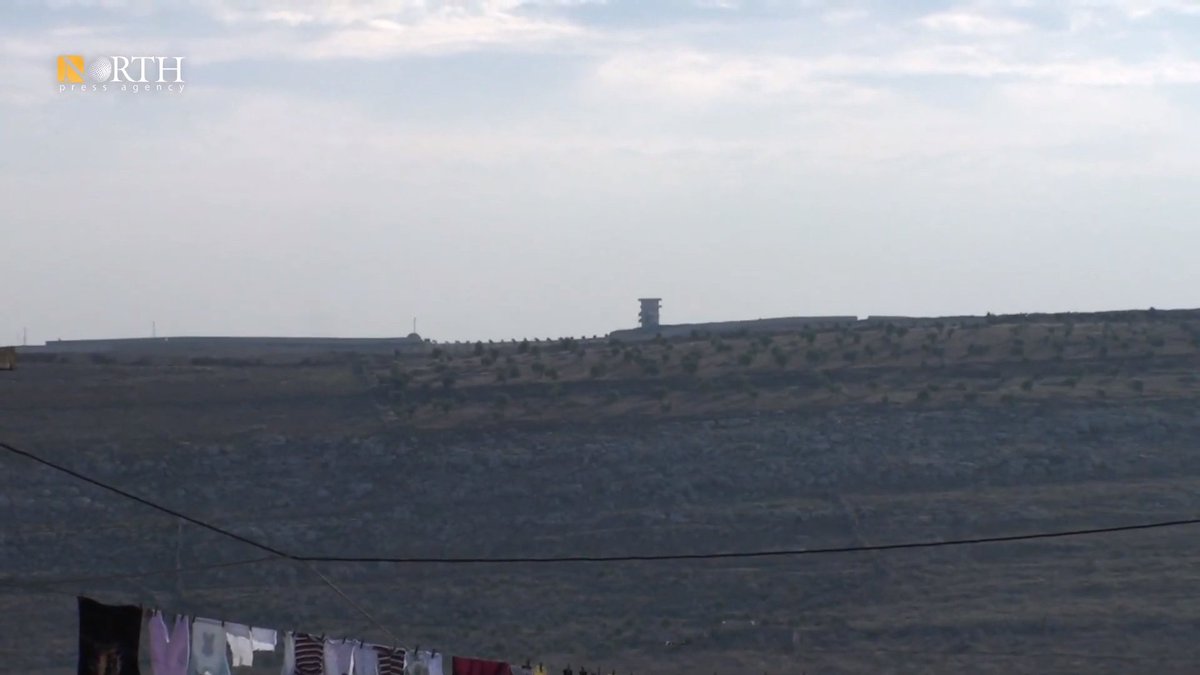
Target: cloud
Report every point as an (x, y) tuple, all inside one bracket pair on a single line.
[(385, 38), (349, 13), (708, 76), (971, 23), (375, 29), (845, 16), (697, 75)]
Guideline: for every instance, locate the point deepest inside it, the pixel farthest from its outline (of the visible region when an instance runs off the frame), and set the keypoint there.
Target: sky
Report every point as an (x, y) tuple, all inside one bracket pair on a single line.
[(529, 168)]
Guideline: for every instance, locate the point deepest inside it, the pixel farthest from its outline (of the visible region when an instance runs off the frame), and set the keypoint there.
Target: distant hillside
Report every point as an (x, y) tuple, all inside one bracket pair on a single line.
[(937, 364), (872, 434), (996, 361)]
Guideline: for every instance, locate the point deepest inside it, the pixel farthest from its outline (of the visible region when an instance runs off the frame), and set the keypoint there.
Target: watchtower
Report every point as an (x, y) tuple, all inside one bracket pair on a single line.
[(648, 316)]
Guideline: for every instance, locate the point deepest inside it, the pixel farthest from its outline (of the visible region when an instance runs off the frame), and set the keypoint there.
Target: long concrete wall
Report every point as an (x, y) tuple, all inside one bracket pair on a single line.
[(226, 345), (777, 325)]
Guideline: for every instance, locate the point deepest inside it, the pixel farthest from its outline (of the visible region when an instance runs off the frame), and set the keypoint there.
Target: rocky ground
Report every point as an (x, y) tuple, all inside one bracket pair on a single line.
[(852, 474)]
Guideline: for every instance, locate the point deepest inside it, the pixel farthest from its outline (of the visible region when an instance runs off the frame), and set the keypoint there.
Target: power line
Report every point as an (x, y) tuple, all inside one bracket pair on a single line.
[(200, 523), (943, 543), (730, 555), (145, 502)]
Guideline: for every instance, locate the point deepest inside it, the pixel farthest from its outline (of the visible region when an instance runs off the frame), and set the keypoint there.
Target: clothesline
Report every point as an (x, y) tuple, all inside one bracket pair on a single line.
[(110, 639)]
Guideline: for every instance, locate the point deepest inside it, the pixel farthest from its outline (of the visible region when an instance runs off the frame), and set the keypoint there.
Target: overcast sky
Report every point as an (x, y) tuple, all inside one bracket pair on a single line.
[(500, 168)]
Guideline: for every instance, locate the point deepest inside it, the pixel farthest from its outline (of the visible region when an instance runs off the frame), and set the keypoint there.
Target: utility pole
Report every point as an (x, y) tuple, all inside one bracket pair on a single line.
[(153, 329), (24, 337)]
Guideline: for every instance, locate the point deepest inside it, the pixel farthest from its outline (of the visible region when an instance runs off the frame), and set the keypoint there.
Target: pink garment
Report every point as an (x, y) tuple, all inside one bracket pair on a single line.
[(169, 650)]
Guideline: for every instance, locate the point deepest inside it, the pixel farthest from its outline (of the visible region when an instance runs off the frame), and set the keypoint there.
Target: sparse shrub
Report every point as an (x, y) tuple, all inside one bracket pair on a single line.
[(598, 370), (397, 377), (1137, 385), (780, 357)]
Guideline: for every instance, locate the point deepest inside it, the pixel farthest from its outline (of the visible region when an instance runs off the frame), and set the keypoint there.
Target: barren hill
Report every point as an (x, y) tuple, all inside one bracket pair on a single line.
[(866, 435)]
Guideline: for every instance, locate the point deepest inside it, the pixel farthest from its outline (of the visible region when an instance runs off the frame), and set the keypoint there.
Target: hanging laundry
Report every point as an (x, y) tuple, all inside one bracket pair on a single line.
[(339, 657), (391, 660), (169, 649), (289, 655), (308, 655), (424, 663), (240, 644), (526, 668), (208, 648), (366, 660), (464, 666), (263, 639), (109, 637)]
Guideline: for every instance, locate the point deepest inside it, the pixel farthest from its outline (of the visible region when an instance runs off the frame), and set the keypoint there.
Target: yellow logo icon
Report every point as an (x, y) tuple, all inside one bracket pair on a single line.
[(70, 69)]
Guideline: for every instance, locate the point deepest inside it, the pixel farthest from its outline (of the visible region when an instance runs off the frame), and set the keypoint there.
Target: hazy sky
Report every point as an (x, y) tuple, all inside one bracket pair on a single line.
[(500, 168)]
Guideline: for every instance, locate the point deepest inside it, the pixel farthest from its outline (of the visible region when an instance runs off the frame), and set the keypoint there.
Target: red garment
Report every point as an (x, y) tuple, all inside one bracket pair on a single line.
[(479, 667)]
